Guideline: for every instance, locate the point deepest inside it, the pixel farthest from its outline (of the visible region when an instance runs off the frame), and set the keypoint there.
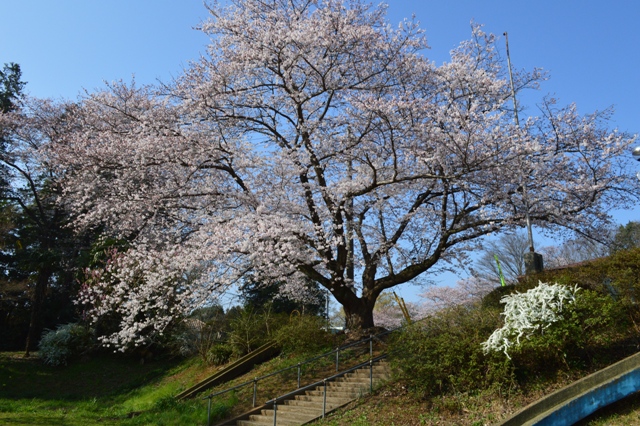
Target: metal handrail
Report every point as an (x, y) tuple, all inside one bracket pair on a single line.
[(335, 351), (228, 390), (274, 402), (319, 382)]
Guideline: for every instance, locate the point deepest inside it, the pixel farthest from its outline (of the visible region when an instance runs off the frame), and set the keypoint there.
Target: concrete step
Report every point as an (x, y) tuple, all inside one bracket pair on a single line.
[(336, 393), (359, 381), (312, 404), (330, 399), (349, 384), (300, 408), (365, 373), (289, 416), (265, 421)]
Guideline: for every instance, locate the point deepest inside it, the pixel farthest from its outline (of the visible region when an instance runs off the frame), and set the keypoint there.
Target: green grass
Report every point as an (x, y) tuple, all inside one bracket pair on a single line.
[(112, 390), (101, 391)]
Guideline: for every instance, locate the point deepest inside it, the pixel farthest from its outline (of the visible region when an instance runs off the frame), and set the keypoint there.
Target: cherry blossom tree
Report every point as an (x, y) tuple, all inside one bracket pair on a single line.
[(467, 291), (315, 141)]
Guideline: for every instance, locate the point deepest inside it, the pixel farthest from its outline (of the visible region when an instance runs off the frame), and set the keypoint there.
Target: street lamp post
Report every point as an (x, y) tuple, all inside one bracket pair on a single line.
[(533, 261), (636, 155)]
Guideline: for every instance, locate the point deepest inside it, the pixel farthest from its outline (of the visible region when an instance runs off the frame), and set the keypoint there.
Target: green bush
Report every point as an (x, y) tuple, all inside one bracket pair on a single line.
[(592, 333), (219, 354), (303, 334), (250, 329), (58, 347), (443, 353)]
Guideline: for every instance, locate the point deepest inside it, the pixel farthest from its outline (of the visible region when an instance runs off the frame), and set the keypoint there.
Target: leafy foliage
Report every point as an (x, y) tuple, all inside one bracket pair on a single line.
[(11, 86), (626, 237), (250, 328), (303, 334), (443, 353), (58, 347), (219, 353)]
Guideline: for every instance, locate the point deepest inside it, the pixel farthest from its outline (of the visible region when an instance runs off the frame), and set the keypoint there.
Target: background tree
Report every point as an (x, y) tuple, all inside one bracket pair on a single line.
[(41, 254), (626, 237), (574, 251), (11, 87), (510, 250), (258, 294), (317, 143)]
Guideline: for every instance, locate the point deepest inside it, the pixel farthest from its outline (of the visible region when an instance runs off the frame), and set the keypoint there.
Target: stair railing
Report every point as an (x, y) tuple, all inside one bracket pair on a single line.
[(274, 402), (298, 366)]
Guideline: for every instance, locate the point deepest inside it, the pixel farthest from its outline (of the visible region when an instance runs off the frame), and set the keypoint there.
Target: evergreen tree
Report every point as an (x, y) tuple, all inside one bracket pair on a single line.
[(40, 253), (626, 237)]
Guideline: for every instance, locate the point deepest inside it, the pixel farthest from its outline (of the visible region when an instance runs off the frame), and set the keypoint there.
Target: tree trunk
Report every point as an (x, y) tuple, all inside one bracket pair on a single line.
[(42, 283), (359, 314)]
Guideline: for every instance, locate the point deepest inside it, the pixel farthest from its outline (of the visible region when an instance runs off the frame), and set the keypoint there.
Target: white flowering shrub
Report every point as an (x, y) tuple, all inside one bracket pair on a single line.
[(529, 312), (58, 346)]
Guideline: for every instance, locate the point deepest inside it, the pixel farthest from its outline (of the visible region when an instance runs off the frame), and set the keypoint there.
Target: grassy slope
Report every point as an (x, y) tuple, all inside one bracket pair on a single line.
[(108, 390), (105, 391), (101, 391)]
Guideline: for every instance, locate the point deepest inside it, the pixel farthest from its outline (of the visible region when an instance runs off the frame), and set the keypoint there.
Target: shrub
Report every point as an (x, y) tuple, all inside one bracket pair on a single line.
[(442, 353), (592, 333), (219, 354), (554, 328), (303, 334), (58, 347)]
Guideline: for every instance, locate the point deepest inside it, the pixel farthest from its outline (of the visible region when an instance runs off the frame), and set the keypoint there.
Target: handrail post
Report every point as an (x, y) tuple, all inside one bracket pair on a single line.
[(255, 390), (324, 398), (209, 413), (275, 412), (371, 375), (337, 358), (299, 375), (371, 346)]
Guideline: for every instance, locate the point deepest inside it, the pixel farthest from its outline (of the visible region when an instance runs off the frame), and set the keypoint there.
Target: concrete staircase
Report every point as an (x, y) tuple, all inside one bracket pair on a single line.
[(307, 406)]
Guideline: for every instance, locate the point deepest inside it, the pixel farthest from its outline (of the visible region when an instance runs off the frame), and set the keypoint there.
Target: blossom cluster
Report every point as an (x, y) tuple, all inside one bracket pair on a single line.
[(528, 313)]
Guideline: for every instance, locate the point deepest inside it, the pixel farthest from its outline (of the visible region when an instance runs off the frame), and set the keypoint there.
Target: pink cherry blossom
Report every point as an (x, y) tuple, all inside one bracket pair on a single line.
[(315, 141)]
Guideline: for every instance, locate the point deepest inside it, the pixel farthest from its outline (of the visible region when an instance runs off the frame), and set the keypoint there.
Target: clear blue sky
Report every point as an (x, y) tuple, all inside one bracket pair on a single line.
[(591, 48)]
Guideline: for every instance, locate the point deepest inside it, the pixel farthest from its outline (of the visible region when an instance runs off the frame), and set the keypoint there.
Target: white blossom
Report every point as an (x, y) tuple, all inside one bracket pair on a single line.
[(528, 313)]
